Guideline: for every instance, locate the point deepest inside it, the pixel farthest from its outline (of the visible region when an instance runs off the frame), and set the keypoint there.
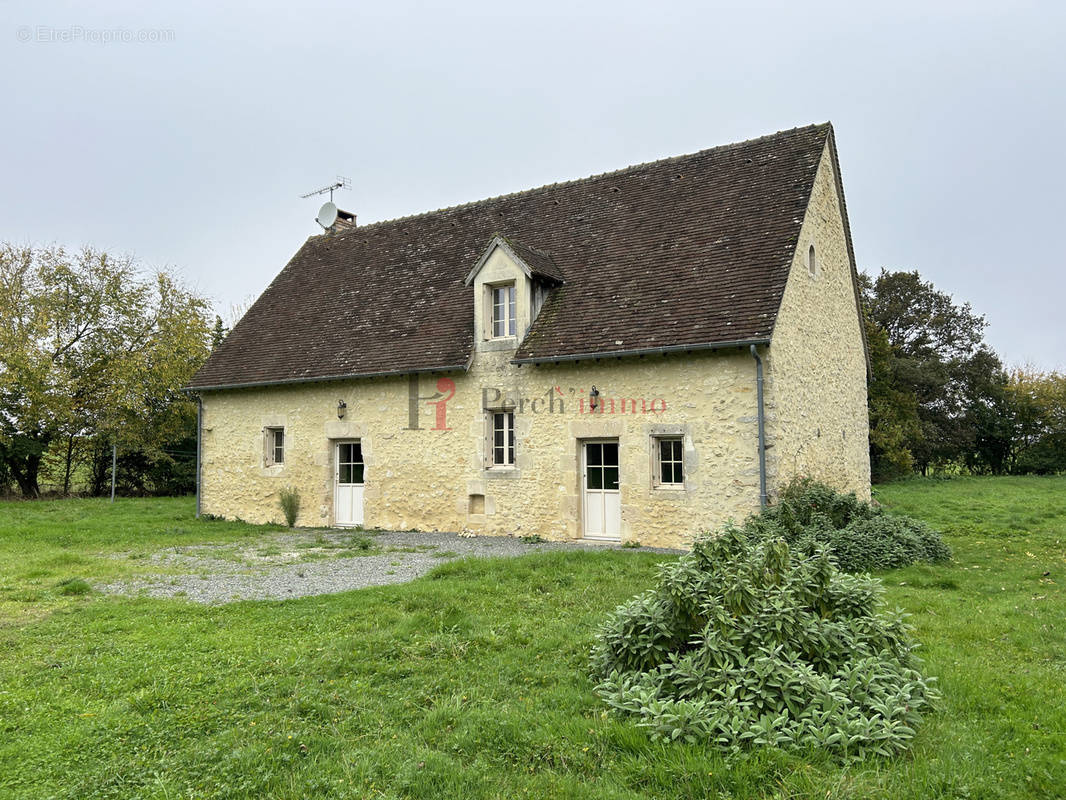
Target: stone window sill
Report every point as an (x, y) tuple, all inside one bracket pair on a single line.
[(503, 473), (499, 345)]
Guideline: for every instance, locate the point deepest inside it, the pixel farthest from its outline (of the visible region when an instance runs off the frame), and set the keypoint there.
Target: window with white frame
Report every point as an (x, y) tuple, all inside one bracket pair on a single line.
[(669, 461), (274, 446), (503, 438), (504, 320)]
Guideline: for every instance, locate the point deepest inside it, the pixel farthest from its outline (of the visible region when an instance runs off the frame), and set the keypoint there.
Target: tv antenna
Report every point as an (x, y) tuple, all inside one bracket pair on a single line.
[(329, 213), (340, 183)]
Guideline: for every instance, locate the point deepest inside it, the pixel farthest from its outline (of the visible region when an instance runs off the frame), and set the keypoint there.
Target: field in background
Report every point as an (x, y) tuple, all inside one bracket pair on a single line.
[(470, 682)]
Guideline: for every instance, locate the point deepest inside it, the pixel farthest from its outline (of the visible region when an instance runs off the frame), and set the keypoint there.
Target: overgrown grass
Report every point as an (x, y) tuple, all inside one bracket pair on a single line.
[(471, 681)]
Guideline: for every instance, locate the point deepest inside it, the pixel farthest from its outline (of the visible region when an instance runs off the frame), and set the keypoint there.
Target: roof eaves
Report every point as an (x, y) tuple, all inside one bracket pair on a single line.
[(327, 378), (851, 250), (645, 351)]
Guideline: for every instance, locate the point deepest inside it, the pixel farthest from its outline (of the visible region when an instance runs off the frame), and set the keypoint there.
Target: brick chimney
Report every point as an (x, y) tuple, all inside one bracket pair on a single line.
[(345, 220)]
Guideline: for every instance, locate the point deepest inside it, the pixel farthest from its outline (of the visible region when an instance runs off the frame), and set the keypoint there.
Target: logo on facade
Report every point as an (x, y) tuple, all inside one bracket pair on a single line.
[(553, 401), (439, 400)]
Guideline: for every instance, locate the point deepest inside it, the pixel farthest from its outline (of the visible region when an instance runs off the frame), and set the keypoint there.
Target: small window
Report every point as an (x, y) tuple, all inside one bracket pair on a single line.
[(504, 321), (812, 262), (275, 446), (503, 439), (601, 466), (350, 467), (670, 462)]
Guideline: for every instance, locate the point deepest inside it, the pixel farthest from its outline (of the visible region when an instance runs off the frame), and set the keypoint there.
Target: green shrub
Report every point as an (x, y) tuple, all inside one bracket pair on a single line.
[(73, 586), (859, 536), (290, 505), (806, 502), (360, 543), (745, 644), (886, 542)]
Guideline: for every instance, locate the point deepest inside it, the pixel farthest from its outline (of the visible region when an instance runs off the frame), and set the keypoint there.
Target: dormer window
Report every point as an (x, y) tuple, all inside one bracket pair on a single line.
[(511, 282), (504, 318)]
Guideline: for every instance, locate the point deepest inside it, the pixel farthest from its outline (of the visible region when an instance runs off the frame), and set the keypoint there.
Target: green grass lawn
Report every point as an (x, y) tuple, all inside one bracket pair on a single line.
[(469, 683)]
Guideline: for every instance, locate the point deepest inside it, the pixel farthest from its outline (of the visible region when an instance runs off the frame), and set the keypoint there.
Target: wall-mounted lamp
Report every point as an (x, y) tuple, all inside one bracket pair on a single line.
[(342, 409), (594, 398)]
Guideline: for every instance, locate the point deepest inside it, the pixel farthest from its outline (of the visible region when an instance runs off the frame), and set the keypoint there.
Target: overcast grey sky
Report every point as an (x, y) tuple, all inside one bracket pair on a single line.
[(190, 149)]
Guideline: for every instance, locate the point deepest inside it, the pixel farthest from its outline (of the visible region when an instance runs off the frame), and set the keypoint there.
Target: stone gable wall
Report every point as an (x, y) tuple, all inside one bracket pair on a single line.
[(817, 418)]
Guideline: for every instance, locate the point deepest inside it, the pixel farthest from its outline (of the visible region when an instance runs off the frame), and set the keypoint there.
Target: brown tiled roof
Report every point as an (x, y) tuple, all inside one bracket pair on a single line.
[(540, 262), (687, 251)]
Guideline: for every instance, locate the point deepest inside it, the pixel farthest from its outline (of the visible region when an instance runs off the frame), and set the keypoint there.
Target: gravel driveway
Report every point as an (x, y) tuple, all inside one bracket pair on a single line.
[(283, 565)]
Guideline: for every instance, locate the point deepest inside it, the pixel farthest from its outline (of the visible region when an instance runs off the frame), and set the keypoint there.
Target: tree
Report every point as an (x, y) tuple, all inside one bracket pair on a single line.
[(920, 321), (90, 350), (985, 427), (894, 421), (938, 356), (218, 333), (1037, 401)]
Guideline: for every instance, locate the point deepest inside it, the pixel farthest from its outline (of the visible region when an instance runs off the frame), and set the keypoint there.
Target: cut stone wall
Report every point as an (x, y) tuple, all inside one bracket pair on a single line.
[(427, 479)]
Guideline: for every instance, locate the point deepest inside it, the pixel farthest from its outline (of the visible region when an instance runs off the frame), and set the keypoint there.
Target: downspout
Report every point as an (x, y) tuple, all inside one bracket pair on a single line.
[(762, 426), (199, 440)]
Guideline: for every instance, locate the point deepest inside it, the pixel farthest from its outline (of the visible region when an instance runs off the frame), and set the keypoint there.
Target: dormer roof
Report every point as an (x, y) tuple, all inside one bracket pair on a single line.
[(533, 262)]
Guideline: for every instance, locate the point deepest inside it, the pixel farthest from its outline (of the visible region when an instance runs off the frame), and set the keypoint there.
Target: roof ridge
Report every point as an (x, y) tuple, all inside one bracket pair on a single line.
[(572, 181)]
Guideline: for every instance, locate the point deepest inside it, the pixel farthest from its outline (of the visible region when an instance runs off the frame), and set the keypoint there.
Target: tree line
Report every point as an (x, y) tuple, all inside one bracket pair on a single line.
[(941, 399), (94, 351), (93, 354)]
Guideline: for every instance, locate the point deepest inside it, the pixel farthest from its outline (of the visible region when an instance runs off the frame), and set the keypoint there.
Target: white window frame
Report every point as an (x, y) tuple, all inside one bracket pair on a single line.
[(507, 306), (677, 463), (274, 445), (506, 417)]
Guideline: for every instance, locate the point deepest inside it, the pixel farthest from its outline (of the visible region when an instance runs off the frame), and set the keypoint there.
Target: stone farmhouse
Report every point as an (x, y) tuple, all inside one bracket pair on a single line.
[(637, 356)]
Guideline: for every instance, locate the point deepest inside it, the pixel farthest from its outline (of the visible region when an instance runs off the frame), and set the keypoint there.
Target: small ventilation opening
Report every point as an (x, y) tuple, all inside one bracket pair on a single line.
[(812, 261)]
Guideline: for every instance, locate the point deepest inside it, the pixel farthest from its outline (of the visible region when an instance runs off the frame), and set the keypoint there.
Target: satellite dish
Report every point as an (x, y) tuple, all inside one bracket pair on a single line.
[(327, 215)]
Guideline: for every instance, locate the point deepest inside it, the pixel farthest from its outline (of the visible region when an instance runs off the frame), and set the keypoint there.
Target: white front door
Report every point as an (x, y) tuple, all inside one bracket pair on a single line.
[(348, 484), (601, 500)]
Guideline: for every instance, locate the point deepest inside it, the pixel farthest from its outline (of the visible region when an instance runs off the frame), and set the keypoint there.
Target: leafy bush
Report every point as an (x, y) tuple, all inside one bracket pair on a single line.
[(886, 542), (859, 536), (744, 644), (806, 504), (290, 505)]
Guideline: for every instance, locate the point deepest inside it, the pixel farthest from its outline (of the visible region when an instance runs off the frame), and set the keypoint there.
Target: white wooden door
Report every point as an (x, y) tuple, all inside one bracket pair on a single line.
[(348, 484), (601, 500)]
